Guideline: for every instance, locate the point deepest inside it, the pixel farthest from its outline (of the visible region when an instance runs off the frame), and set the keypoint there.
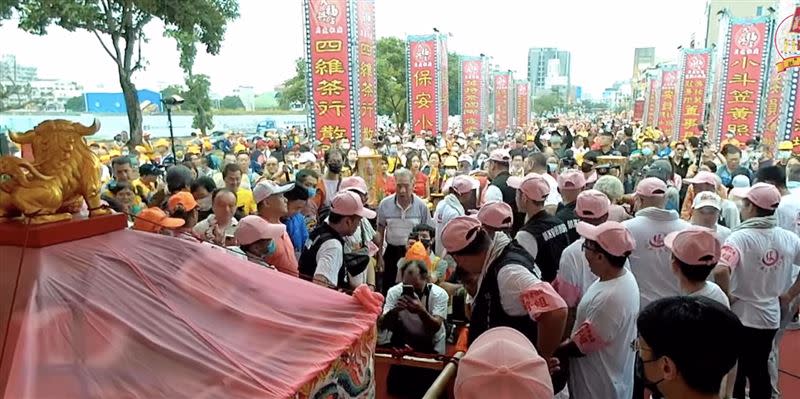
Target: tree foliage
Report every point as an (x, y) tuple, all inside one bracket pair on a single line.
[(231, 102), (14, 96), (392, 84), (76, 104), (294, 89), (119, 26), (547, 103), (198, 97), (453, 83)]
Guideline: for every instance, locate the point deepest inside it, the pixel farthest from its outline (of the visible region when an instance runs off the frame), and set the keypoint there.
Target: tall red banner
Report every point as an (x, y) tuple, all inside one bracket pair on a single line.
[(744, 70), (651, 105), (501, 86), (329, 67), (772, 113), (367, 71), (444, 91), (422, 83), (523, 103), (638, 110), (666, 111), (692, 90), (471, 94)]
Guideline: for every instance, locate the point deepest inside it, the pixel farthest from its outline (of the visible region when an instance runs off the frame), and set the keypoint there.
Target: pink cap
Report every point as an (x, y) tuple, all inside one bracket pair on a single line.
[(612, 236), (651, 187), (533, 185), (496, 214), (459, 232), (500, 155), (253, 228), (348, 203), (502, 363), (354, 183), (592, 204), (703, 177), (463, 184), (571, 180), (763, 195), (695, 245)]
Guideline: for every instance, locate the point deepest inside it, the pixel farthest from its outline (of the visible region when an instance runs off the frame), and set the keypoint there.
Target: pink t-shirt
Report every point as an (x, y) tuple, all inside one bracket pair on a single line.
[(283, 259)]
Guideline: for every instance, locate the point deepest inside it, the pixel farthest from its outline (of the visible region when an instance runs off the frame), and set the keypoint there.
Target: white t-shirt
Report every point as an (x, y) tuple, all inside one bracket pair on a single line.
[(435, 303), (574, 276), (722, 232), (788, 213), (329, 262), (527, 241), (492, 193), (761, 265), (651, 260), (605, 326), (446, 209), (554, 198), (712, 291)]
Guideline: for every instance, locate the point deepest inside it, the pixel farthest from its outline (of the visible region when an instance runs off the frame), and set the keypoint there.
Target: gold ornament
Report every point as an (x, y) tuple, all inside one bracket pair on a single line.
[(64, 174)]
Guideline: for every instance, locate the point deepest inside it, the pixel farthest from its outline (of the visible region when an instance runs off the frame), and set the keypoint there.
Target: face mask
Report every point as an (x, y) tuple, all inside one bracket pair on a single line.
[(335, 168), (271, 248), (426, 243), (204, 203), (346, 146), (393, 150), (652, 386), (552, 167), (647, 151), (450, 172), (312, 191), (784, 155), (586, 167)]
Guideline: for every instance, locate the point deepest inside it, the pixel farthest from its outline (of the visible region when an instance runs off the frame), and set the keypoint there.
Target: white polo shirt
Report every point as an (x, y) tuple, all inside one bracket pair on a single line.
[(651, 260), (761, 267), (605, 326)]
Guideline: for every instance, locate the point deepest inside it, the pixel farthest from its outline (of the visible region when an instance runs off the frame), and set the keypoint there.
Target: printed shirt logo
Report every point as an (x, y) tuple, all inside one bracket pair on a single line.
[(587, 339), (657, 241), (770, 259), (729, 256)]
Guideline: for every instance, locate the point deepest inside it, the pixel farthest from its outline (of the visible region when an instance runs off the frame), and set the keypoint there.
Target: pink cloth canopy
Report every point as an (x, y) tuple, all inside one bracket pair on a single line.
[(137, 315)]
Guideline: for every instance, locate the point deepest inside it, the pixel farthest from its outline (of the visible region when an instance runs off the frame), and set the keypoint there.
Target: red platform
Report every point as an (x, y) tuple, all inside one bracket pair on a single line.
[(18, 234)]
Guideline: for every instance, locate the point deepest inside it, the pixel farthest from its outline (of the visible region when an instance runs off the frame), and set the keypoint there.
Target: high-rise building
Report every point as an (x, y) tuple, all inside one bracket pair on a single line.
[(735, 8), (13, 73), (549, 69), (643, 58)]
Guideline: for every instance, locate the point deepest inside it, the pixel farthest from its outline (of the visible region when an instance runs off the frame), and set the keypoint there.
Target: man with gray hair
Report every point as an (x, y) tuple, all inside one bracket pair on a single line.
[(397, 216)]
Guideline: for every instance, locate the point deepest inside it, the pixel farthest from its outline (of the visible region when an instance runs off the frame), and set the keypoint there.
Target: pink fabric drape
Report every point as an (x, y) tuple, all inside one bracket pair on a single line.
[(138, 315)]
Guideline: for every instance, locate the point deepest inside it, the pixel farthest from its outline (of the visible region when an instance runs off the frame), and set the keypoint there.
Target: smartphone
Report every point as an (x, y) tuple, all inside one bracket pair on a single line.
[(408, 290)]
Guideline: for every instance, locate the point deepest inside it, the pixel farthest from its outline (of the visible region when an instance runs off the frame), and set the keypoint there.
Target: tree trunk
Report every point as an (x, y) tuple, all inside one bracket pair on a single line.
[(132, 107)]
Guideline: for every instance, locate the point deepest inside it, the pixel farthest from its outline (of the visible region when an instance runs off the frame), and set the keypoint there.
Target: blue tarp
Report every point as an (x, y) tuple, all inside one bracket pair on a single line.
[(149, 101)]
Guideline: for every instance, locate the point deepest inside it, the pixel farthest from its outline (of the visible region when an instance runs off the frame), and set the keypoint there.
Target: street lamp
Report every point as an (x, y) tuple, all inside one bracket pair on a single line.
[(169, 102)]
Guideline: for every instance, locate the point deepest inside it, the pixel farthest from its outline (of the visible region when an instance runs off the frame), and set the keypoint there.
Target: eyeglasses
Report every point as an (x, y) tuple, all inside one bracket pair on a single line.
[(586, 246)]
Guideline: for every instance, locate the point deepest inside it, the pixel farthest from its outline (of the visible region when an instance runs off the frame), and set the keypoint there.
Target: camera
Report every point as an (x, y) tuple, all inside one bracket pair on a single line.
[(173, 100)]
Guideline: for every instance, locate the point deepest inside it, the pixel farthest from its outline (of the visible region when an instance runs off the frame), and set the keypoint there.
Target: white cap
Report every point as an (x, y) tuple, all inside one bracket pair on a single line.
[(306, 157), (266, 188)]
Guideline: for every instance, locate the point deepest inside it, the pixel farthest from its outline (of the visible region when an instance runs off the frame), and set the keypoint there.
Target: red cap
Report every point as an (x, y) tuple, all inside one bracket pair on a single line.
[(533, 185), (152, 220), (763, 195), (612, 236), (695, 245)]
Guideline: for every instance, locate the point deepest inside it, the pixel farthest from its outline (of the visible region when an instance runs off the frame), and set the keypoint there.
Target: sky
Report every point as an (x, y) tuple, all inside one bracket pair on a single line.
[(260, 47)]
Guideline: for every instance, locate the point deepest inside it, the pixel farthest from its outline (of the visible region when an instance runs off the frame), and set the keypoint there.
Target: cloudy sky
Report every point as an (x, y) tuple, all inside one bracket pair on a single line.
[(261, 45)]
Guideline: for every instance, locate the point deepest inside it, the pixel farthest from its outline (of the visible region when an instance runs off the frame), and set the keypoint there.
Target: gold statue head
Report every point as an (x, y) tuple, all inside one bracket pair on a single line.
[(52, 138)]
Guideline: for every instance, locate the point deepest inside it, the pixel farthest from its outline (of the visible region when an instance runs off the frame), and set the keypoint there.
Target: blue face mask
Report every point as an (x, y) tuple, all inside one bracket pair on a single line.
[(647, 151), (312, 191), (271, 248)]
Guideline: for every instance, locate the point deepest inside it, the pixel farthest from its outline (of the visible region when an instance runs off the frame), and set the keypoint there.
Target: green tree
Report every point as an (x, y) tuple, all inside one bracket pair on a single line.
[(294, 89), (14, 96), (197, 97), (76, 104), (392, 85), (547, 103), (231, 102), (172, 90), (453, 83), (119, 27)]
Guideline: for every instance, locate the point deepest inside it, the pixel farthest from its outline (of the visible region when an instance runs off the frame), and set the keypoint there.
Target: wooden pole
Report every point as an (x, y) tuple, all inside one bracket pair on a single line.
[(441, 383)]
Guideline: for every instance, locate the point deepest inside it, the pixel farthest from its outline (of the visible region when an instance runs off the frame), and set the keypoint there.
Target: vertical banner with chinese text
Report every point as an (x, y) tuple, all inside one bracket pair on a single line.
[(472, 94), (638, 110), (692, 90), (523, 103), (782, 109), (666, 100), (329, 83), (367, 73), (423, 83), (444, 91), (651, 101), (501, 91), (743, 73)]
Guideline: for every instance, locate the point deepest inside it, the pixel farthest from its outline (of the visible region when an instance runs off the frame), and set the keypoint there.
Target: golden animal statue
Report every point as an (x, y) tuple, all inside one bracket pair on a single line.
[(65, 173)]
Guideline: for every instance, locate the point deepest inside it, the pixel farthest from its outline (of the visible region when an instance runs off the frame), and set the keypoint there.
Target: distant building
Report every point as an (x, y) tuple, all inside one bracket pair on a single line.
[(643, 59), (618, 94), (548, 68), (13, 73), (114, 103), (52, 94), (248, 96), (735, 8)]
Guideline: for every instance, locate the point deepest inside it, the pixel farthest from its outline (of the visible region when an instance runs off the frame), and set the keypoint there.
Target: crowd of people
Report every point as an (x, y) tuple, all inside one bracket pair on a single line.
[(589, 258)]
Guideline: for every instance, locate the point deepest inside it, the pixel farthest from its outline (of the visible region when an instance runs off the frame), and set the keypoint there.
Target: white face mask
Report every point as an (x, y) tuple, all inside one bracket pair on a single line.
[(204, 204)]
